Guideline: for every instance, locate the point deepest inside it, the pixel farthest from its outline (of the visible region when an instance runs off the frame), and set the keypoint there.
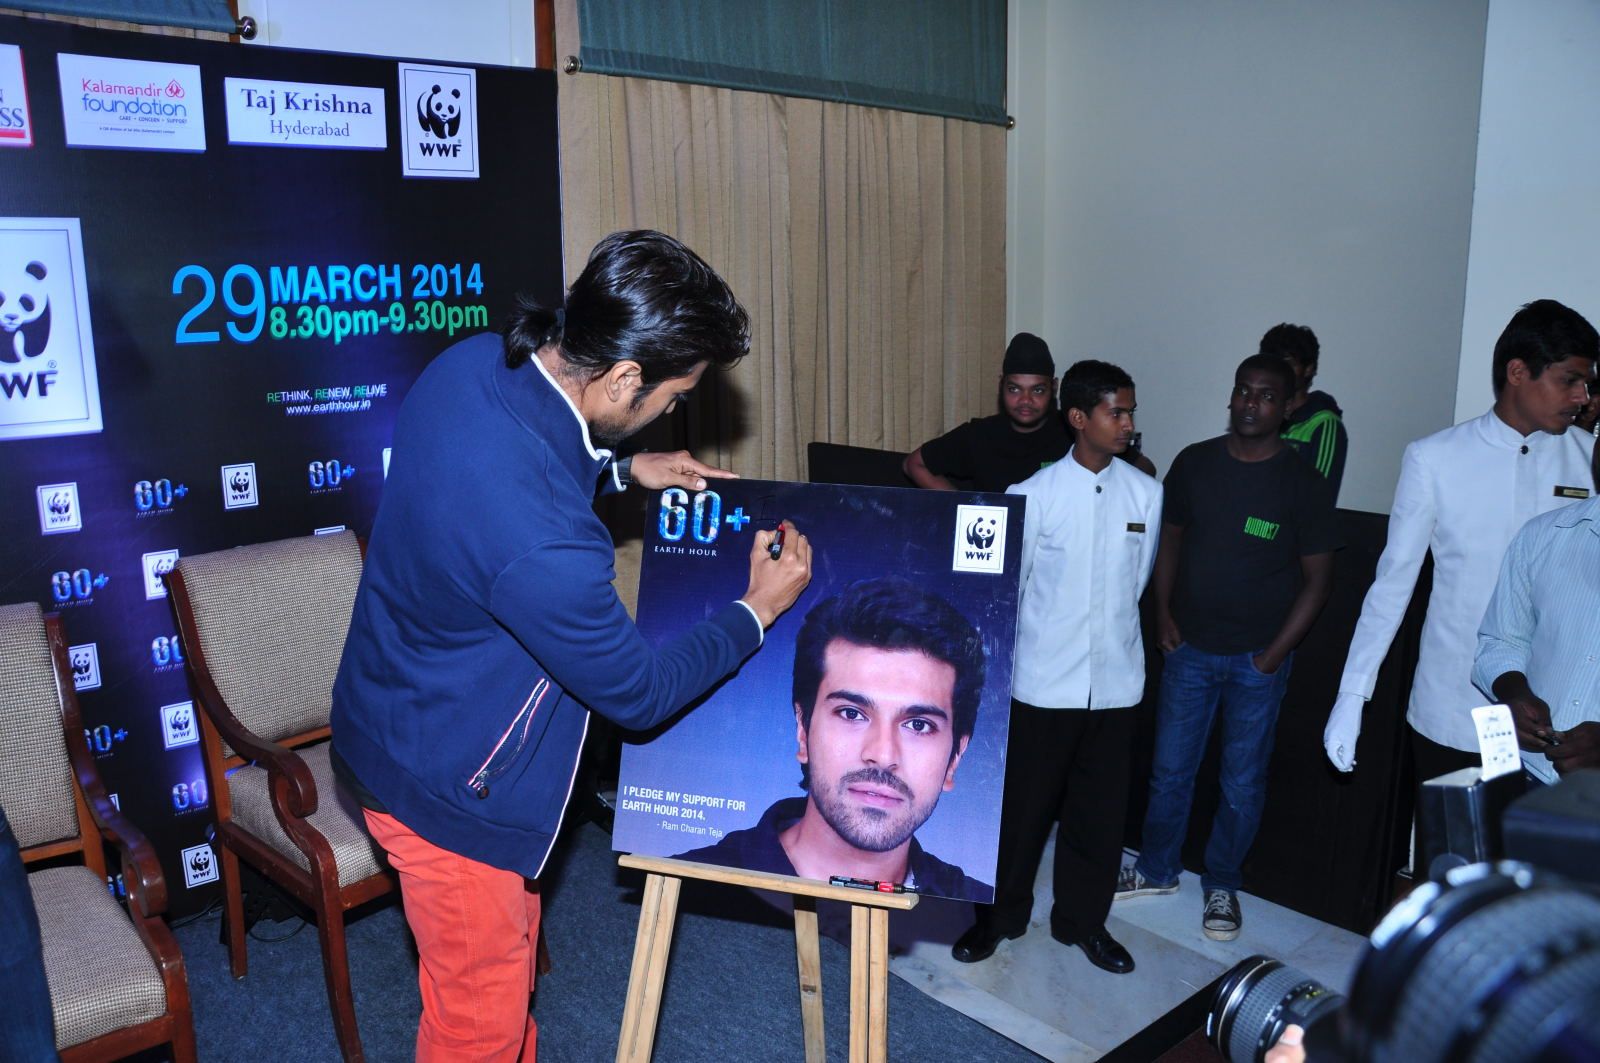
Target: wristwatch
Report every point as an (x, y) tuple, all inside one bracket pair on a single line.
[(624, 471)]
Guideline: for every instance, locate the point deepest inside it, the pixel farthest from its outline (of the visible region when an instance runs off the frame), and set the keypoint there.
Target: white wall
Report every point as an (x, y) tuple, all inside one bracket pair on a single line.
[(1536, 215), (1027, 60), (483, 31), (1194, 171)]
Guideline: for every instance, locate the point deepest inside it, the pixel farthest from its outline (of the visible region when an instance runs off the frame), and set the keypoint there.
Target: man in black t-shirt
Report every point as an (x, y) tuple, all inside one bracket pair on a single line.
[(1247, 540), (992, 453)]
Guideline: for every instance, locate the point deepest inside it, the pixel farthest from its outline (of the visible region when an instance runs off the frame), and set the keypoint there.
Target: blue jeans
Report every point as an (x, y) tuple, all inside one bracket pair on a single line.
[(27, 1033), (1194, 685)]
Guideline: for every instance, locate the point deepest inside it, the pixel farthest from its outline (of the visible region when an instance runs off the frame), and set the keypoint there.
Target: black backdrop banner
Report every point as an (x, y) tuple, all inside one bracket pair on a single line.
[(221, 268)]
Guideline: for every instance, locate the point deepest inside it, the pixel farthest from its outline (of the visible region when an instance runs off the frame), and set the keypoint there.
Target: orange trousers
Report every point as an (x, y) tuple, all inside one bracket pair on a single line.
[(477, 932)]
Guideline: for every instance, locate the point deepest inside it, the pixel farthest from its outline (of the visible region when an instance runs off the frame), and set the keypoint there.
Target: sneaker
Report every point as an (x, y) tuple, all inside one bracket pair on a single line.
[(1132, 884), (1222, 918)]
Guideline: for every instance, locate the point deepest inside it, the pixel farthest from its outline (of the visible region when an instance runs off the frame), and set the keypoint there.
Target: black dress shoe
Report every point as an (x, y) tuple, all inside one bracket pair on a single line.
[(979, 943), (1102, 950)]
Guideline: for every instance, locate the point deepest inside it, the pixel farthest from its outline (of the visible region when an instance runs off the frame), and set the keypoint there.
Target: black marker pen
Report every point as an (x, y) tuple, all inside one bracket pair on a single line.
[(869, 884), (775, 551)]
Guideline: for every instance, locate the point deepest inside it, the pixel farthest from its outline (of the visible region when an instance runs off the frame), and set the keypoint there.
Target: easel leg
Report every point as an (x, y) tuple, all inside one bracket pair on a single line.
[(878, 993), (810, 960), (869, 984), (650, 950), (860, 945)]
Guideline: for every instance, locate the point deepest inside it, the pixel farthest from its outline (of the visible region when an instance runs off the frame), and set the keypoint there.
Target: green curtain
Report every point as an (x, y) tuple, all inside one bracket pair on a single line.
[(942, 57), (190, 14)]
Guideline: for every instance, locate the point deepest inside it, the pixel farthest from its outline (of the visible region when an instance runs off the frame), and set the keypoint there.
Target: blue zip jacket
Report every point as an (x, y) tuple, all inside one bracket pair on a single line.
[(486, 626)]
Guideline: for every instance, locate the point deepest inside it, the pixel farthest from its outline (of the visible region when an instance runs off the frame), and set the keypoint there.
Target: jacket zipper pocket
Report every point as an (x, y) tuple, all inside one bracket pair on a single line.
[(479, 783)]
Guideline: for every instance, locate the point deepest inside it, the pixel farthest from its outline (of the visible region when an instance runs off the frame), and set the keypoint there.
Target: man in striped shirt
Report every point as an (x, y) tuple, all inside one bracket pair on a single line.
[(1539, 644), (1314, 425)]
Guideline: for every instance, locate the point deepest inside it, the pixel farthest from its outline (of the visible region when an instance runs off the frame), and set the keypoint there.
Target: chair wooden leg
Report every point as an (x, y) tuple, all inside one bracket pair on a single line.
[(183, 1050), (233, 907), (336, 970)]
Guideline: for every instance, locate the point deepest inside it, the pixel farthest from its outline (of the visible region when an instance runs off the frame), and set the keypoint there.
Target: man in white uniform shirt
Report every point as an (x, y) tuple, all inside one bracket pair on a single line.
[(1539, 644), (1463, 493), (1088, 544)]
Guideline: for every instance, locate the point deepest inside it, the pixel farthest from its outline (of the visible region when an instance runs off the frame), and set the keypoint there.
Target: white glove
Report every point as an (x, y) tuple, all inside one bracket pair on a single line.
[(1344, 727)]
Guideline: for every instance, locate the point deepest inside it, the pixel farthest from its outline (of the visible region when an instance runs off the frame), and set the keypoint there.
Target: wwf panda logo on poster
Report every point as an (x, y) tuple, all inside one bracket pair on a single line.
[(980, 540), (48, 382)]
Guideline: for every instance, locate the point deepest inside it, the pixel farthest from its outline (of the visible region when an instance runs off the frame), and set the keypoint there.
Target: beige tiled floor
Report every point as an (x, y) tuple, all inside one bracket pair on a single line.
[(1047, 997)]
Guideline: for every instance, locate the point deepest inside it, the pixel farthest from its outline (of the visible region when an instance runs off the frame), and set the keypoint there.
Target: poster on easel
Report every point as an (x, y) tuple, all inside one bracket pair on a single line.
[(221, 268), (866, 738)]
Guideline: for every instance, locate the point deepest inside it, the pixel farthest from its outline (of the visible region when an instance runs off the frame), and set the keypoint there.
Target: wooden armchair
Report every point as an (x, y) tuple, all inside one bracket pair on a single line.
[(263, 628), (116, 977)]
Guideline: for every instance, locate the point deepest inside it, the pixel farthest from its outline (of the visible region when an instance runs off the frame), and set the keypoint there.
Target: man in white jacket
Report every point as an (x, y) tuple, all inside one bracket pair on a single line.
[(1088, 544), (1463, 493)]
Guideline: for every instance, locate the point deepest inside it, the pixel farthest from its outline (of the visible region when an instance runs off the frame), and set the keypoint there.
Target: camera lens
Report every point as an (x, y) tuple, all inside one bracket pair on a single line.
[(1256, 1000), (1475, 967)]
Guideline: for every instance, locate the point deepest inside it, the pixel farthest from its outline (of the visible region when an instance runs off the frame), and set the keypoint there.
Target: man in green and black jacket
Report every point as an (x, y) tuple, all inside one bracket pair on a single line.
[(1314, 427)]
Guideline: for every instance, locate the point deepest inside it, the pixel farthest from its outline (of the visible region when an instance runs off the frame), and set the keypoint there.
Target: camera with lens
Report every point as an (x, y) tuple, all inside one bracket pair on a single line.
[(1497, 960)]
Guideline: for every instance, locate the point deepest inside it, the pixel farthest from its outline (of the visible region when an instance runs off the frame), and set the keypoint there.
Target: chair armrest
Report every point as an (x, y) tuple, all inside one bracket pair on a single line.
[(141, 869), (299, 788), (299, 791)]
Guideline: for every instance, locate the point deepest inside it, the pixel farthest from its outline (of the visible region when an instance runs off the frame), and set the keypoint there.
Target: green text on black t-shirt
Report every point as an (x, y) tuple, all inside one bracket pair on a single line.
[(1246, 524)]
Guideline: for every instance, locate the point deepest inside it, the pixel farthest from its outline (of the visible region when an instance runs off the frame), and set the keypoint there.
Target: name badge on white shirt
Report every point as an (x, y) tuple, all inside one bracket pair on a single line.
[(1497, 739), (1571, 492)]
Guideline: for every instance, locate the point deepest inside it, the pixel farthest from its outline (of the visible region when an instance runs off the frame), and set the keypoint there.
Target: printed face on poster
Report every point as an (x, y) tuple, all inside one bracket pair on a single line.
[(866, 737)]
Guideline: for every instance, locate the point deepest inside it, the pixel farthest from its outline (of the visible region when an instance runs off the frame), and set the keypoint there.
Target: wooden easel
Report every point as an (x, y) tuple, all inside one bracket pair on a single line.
[(869, 954)]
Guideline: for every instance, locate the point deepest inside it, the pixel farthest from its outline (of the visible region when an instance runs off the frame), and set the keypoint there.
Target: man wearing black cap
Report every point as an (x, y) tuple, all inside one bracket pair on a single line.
[(992, 453)]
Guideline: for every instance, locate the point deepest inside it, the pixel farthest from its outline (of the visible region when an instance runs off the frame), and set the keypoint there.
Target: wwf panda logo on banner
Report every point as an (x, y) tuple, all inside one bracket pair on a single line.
[(239, 487), (439, 121), (48, 383), (58, 508), (179, 727), (85, 660), (155, 564), (199, 865)]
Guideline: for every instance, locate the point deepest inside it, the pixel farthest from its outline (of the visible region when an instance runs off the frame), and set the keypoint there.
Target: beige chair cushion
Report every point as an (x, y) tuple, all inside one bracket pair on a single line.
[(101, 976), (271, 620), (338, 818), (35, 778)]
